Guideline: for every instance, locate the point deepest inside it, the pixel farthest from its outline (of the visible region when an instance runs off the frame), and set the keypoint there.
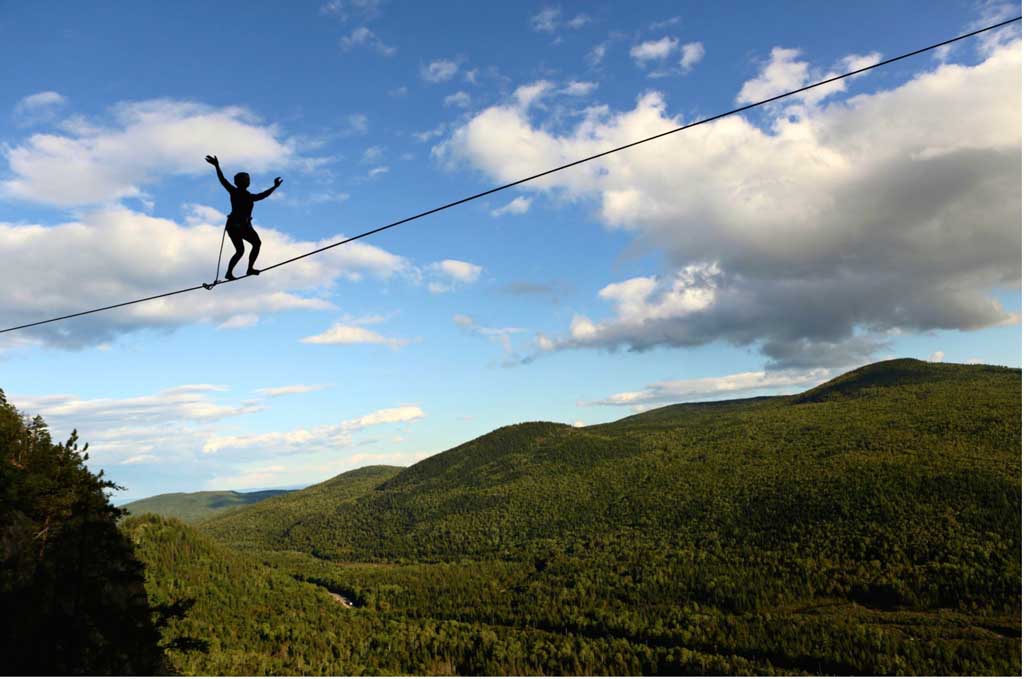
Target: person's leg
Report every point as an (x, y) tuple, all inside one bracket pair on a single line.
[(236, 240), (254, 250)]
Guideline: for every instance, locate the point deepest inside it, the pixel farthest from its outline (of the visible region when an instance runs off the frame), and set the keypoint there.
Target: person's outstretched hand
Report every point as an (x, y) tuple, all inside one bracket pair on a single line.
[(212, 160), (277, 182)]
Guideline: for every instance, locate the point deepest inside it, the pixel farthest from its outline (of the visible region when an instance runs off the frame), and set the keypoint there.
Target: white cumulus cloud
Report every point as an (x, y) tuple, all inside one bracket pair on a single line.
[(810, 237), (116, 254), (146, 141), (449, 273), (690, 55), (340, 333), (653, 50)]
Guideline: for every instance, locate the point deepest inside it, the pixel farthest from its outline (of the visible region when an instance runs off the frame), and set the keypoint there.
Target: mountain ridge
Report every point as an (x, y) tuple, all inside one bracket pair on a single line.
[(547, 477), (867, 526), (198, 505)]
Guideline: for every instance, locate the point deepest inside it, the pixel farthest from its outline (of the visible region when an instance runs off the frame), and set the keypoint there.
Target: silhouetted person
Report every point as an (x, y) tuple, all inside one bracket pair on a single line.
[(239, 224)]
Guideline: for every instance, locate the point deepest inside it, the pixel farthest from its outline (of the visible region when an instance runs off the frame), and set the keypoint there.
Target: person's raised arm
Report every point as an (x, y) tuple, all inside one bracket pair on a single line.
[(212, 160), (263, 194)]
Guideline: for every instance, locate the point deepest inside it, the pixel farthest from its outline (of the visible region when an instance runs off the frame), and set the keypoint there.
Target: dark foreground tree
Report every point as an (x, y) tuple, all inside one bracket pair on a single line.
[(71, 590)]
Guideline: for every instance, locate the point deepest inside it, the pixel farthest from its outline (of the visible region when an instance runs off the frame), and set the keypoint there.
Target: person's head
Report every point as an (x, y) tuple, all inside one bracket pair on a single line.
[(242, 180)]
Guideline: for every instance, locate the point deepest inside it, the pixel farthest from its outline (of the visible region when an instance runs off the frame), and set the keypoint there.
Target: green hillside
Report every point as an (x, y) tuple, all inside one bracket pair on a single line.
[(877, 451), (194, 507), (869, 525), (256, 620), (262, 523)]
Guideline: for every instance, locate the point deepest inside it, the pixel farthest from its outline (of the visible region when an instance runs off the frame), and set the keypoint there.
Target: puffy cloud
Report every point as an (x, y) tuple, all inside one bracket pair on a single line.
[(519, 205), (784, 72), (690, 55), (937, 357), (464, 272), (528, 94), (781, 74), (653, 50), (704, 388), (149, 139), (451, 272), (116, 254), (327, 437), (340, 333), (364, 37), (439, 71), (809, 239)]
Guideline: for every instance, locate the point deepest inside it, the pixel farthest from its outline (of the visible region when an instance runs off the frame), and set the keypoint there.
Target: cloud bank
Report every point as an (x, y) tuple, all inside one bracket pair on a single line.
[(810, 236)]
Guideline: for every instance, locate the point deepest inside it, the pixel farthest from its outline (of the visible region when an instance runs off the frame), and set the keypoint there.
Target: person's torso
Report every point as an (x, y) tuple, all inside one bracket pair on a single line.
[(241, 205)]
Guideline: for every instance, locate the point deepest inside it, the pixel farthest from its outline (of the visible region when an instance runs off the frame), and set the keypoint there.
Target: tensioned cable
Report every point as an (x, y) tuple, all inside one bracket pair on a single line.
[(530, 178)]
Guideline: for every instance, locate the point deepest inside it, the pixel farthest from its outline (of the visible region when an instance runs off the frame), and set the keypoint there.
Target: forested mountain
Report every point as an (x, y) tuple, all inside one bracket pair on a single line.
[(870, 525), (262, 523), (260, 621), (889, 451), (191, 507)]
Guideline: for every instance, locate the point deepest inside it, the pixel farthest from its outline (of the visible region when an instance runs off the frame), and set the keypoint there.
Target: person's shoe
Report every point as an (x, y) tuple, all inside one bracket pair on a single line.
[(230, 276), (252, 272)]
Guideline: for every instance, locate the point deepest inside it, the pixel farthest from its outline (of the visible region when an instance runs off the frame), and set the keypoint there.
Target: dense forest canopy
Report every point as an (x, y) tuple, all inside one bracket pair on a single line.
[(71, 589)]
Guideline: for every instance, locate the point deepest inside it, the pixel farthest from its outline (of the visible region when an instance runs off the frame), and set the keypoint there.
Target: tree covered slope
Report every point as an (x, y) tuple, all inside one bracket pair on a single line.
[(901, 459), (192, 507), (258, 620), (868, 526), (261, 524)]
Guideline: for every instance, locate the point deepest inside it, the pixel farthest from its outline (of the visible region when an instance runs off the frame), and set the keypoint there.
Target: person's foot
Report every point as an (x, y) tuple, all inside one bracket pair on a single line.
[(230, 276), (252, 272)]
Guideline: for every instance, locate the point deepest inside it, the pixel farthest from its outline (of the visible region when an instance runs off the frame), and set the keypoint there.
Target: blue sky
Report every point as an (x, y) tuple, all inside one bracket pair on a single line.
[(760, 254)]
